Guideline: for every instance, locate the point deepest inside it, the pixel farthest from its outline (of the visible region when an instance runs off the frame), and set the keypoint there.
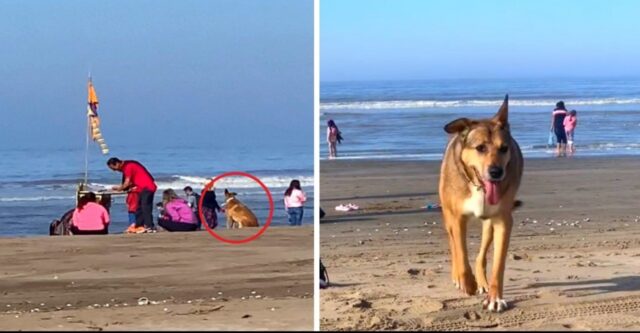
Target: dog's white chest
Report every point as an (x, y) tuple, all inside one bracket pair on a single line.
[(477, 206)]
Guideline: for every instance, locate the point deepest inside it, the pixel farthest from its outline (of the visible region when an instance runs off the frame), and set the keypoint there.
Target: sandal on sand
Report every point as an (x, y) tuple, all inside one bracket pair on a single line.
[(348, 207), (131, 229)]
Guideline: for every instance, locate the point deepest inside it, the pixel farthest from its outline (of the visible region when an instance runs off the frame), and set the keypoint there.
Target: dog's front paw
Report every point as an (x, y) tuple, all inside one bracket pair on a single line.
[(483, 286), (482, 289), (467, 283), (494, 304)]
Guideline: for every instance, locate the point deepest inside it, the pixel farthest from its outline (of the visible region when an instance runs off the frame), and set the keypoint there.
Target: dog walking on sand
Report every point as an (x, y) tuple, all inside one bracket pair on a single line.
[(479, 178)]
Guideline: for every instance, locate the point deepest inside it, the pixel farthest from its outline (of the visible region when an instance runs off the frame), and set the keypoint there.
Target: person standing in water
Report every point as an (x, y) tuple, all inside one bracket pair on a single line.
[(557, 126), (570, 123), (294, 200), (138, 179), (333, 138)]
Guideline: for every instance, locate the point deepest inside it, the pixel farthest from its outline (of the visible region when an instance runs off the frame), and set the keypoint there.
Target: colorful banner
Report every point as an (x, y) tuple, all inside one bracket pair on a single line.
[(94, 120)]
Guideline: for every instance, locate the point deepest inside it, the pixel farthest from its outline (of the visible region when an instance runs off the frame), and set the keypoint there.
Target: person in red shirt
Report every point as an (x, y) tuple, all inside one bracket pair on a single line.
[(136, 178)]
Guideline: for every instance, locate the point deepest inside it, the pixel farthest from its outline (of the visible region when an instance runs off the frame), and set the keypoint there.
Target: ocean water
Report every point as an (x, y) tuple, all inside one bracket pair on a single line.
[(405, 119), (38, 184)]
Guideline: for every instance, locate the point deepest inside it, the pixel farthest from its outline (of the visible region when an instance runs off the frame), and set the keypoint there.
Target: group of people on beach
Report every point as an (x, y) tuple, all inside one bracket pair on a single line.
[(563, 125), (175, 213)]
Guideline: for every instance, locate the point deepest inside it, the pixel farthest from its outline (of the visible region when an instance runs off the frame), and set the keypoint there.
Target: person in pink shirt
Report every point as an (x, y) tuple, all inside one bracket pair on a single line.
[(177, 215), (294, 200), (570, 123), (90, 217)]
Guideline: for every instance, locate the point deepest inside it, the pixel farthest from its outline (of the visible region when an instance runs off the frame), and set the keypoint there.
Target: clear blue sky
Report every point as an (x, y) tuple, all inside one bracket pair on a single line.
[(416, 39), (219, 71)]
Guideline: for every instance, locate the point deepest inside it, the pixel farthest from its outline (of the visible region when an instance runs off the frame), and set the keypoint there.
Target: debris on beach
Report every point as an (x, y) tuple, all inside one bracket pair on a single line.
[(143, 301), (347, 208), (362, 304)]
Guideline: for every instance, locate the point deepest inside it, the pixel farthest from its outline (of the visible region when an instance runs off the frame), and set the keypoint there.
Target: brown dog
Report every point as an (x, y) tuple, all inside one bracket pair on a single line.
[(238, 215), (480, 175)]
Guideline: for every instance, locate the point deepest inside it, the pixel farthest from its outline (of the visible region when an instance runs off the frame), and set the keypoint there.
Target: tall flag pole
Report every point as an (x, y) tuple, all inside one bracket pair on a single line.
[(93, 123)]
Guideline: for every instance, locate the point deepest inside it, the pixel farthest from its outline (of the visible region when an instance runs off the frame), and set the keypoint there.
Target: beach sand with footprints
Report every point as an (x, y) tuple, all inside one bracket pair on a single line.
[(573, 263), (162, 281)]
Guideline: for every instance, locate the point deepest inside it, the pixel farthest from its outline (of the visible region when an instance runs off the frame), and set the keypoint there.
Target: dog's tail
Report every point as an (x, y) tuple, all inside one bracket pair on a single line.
[(517, 204)]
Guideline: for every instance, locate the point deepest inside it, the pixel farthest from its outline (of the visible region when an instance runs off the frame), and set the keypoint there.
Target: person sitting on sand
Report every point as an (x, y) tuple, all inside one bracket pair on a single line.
[(89, 217), (557, 126), (294, 200), (570, 123), (193, 199), (333, 138), (210, 207), (177, 215)]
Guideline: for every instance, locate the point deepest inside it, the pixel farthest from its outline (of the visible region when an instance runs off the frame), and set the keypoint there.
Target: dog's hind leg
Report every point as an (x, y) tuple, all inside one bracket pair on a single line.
[(501, 234), (464, 275), (481, 260)]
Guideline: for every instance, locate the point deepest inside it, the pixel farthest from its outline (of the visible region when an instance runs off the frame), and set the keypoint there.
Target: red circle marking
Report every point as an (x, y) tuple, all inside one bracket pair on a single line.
[(236, 241)]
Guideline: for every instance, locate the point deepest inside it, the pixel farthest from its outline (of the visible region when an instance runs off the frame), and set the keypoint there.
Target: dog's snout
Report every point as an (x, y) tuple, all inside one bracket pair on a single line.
[(496, 172)]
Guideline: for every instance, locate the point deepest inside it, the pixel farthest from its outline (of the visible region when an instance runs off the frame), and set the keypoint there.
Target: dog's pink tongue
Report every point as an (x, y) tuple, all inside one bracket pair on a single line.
[(492, 194)]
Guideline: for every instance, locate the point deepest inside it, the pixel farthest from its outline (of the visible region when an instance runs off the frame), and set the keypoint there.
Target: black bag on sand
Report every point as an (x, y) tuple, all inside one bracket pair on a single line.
[(62, 226), (324, 276)]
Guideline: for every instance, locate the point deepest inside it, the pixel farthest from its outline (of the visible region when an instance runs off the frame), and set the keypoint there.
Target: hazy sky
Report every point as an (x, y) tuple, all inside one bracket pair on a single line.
[(415, 39), (216, 71)]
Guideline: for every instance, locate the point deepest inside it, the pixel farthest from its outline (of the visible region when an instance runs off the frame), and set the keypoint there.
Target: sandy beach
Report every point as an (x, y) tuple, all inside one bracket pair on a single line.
[(188, 281), (573, 261)]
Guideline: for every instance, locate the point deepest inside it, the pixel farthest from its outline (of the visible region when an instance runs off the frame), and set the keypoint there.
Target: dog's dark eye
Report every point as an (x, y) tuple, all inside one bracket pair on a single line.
[(481, 148), (503, 149)]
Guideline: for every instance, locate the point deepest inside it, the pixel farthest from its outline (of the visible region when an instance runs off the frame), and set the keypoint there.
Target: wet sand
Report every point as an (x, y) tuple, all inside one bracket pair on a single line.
[(191, 282), (573, 264)]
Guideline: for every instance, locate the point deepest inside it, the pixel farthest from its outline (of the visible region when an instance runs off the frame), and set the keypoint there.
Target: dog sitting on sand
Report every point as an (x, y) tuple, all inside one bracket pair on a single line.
[(479, 178), (238, 215)]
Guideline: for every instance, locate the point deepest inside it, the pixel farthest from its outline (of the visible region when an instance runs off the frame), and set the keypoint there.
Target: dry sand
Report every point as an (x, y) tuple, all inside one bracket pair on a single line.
[(574, 257), (192, 282)]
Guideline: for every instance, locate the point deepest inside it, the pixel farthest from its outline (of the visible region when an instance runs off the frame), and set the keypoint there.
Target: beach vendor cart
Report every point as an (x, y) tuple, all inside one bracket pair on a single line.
[(60, 227)]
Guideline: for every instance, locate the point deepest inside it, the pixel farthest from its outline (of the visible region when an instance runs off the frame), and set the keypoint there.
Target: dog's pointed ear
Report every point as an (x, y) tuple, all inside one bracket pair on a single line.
[(458, 125), (502, 117), (226, 191), (234, 193)]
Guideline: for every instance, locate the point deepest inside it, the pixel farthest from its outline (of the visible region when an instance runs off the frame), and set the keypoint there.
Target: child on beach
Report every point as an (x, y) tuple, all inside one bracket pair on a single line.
[(132, 206), (210, 207), (294, 200), (333, 138), (193, 199), (570, 123)]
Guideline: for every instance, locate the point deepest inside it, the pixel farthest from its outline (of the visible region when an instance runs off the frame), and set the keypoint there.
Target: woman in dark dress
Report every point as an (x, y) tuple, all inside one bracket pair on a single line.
[(210, 208), (557, 126)]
